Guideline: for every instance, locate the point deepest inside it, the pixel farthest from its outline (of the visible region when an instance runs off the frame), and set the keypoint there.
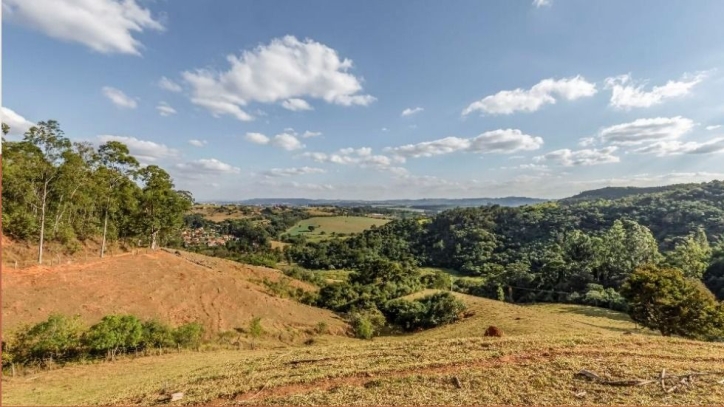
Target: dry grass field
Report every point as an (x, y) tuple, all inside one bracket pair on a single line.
[(535, 363)]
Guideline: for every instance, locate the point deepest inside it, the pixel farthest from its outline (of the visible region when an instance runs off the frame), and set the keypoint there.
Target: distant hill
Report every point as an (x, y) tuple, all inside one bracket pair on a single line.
[(612, 193), (426, 203)]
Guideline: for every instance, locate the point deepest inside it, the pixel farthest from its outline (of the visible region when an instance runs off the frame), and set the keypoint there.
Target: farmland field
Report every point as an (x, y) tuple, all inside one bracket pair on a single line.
[(324, 226)]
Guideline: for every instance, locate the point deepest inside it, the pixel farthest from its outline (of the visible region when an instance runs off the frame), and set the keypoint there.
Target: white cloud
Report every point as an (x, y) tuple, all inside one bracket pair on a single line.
[(169, 85), (296, 105), (410, 112), (287, 141), (361, 157), (627, 94), (676, 147), (544, 92), (198, 143), (587, 141), (119, 98), (285, 70), (385, 129), (586, 157), (713, 127), (646, 130), (541, 3), (206, 166), (308, 134), (257, 138), (18, 124), (144, 151), (499, 141), (288, 172), (106, 26), (165, 110), (286, 186)]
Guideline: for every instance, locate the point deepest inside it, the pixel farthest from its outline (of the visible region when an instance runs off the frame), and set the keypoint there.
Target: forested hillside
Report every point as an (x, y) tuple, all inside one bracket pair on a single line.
[(571, 251), (69, 192)]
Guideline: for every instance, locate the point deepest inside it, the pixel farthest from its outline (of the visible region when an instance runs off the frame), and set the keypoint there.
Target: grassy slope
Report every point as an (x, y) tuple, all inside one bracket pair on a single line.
[(534, 363), (220, 294), (338, 224)]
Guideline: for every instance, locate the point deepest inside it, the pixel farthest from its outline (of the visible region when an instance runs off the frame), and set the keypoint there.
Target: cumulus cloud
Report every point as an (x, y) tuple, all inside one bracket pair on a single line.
[(541, 3), (586, 157), (169, 85), (627, 94), (119, 98), (285, 70), (287, 140), (713, 127), (289, 172), (206, 166), (165, 110), (145, 151), (361, 157), (587, 141), (296, 105), (646, 130), (308, 134), (17, 123), (105, 26), (286, 186), (501, 141), (411, 111), (676, 147), (198, 143), (544, 92)]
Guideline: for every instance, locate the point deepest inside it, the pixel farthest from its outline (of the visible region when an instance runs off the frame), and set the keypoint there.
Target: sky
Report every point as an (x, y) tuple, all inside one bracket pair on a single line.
[(379, 99)]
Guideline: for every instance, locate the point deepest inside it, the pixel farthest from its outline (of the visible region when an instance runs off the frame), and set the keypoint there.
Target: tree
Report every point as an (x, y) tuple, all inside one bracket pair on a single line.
[(189, 335), (162, 207), (44, 169), (691, 254), (665, 300), (113, 333), (310, 228), (624, 247), (117, 166), (56, 337)]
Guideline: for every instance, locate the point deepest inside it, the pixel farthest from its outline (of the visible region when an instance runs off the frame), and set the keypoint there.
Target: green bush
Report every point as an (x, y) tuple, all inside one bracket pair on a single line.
[(58, 337), (427, 312), (157, 335), (114, 333), (189, 335), (368, 323), (437, 280)]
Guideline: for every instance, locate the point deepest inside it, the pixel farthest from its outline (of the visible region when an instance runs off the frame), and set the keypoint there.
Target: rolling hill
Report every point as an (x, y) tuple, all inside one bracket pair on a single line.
[(220, 294), (536, 362)]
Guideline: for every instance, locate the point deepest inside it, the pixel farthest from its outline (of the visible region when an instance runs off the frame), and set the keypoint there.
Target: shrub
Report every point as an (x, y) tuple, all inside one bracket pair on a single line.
[(255, 329), (368, 323), (157, 335), (664, 300), (437, 280), (442, 308), (58, 337), (114, 333), (408, 315), (322, 328), (189, 335)]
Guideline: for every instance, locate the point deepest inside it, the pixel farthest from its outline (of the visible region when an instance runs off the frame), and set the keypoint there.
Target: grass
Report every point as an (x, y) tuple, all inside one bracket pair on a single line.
[(535, 363), (454, 274), (335, 275), (326, 225)]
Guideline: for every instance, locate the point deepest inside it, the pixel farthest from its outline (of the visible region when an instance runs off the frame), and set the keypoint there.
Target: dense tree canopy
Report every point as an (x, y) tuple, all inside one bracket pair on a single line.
[(58, 190)]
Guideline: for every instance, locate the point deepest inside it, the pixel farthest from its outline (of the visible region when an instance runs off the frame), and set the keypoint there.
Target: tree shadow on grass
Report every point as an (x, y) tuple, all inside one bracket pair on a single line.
[(598, 312)]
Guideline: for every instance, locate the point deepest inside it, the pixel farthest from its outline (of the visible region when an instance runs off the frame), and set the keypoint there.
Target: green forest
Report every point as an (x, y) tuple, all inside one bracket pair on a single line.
[(68, 192)]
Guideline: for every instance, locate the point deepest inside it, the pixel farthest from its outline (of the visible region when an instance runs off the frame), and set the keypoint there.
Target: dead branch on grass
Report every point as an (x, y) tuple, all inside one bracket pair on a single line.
[(683, 380)]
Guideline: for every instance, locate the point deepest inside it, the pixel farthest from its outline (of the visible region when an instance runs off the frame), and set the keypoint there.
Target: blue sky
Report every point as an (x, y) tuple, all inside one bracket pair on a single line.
[(379, 99)]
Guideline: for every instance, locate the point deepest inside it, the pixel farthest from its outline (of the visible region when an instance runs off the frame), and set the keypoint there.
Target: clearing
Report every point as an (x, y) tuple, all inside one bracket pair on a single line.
[(324, 226)]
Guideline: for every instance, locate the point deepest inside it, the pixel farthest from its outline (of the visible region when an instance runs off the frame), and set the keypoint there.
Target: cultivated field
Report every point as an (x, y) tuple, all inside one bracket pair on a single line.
[(535, 363), (324, 226), (216, 213)]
